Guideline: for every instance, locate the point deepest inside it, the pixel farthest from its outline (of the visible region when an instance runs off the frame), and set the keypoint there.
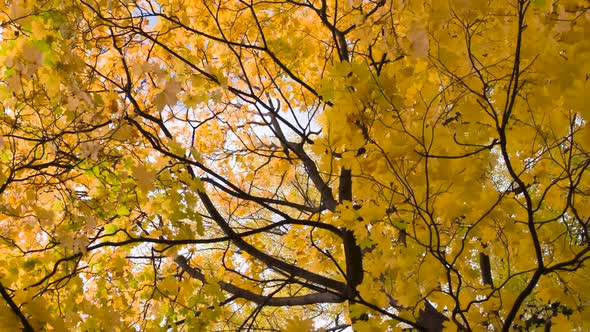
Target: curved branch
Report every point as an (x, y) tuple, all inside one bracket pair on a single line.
[(14, 307), (313, 298), (270, 261)]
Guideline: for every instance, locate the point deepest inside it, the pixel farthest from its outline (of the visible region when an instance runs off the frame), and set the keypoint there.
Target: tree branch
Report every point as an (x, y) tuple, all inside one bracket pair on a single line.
[(270, 261), (313, 298), (14, 307)]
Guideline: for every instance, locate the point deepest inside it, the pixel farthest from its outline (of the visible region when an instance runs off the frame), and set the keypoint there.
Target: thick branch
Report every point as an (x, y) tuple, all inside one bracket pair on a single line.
[(486, 269), (313, 298), (352, 252), (14, 307), (313, 173), (430, 319), (270, 261)]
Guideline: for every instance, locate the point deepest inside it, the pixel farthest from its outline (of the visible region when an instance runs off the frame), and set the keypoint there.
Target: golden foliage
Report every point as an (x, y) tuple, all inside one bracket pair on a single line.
[(294, 165)]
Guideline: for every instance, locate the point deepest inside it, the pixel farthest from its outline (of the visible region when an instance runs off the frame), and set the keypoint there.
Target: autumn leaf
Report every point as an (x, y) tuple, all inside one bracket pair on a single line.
[(293, 325), (145, 178), (419, 40), (168, 96)]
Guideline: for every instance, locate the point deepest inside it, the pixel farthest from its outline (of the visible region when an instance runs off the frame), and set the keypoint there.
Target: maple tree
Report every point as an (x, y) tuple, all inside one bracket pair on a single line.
[(294, 165)]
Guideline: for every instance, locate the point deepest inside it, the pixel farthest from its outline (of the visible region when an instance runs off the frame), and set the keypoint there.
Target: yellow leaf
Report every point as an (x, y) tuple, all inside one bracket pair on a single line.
[(419, 39), (562, 323), (145, 178), (168, 96), (297, 325)]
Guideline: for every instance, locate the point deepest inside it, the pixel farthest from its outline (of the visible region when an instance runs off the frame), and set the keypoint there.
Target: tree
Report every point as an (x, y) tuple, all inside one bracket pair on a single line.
[(296, 164)]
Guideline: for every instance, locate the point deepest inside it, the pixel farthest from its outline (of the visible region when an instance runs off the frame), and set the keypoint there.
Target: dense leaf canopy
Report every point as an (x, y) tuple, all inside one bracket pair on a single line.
[(294, 165)]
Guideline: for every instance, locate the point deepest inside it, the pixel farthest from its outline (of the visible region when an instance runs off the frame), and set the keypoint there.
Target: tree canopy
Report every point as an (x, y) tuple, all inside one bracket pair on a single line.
[(294, 165)]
